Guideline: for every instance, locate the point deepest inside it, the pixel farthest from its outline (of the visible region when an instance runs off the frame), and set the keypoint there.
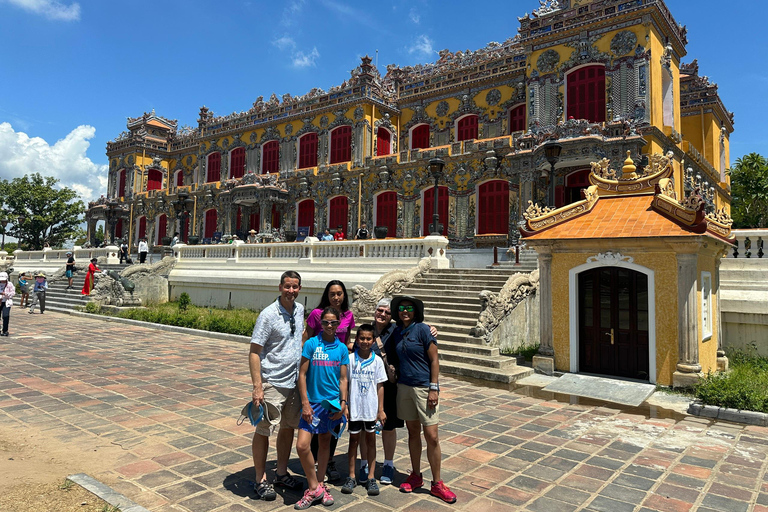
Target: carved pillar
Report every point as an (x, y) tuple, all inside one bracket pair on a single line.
[(263, 212), (688, 366), (544, 360), (722, 361)]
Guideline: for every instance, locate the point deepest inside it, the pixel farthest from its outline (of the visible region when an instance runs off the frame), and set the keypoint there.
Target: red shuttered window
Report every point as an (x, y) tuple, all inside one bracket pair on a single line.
[(270, 157), (337, 213), (275, 217), (308, 151), (154, 179), (341, 144), (162, 228), (467, 128), (586, 94), (211, 216), (386, 212), (420, 137), (383, 142), (180, 179), (214, 167), (429, 209), (493, 207), (306, 217), (121, 183), (517, 119), (142, 227), (237, 163)]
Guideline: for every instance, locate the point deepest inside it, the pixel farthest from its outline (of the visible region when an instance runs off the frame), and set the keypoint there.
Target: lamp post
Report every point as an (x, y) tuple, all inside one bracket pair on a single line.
[(3, 222), (182, 205), (552, 153), (113, 208), (436, 169), (20, 222)]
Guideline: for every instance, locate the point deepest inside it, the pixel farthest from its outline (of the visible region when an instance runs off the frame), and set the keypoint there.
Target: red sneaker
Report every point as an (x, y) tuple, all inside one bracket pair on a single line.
[(440, 490), (413, 481)]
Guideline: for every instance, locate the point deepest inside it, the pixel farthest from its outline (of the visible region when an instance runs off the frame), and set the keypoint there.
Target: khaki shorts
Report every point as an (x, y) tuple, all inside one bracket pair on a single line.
[(285, 399), (412, 405)]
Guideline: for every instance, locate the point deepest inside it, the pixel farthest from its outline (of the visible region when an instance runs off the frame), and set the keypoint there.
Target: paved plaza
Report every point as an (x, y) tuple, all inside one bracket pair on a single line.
[(170, 402)]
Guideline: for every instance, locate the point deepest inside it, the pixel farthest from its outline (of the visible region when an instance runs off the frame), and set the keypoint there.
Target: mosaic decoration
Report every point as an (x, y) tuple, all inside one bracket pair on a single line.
[(623, 43), (324, 122), (493, 97), (548, 61), (442, 108), (288, 129), (359, 113)]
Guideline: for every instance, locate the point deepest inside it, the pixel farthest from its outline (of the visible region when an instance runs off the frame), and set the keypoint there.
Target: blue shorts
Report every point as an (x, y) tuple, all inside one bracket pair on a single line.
[(322, 416), (68, 273)]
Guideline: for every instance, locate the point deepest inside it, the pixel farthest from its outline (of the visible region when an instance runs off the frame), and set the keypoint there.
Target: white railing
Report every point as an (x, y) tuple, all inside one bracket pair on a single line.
[(412, 248), (58, 255), (749, 243)]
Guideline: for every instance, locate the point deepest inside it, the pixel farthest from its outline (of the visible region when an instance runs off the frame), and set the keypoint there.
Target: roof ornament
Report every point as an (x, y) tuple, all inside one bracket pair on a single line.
[(629, 168), (547, 7)]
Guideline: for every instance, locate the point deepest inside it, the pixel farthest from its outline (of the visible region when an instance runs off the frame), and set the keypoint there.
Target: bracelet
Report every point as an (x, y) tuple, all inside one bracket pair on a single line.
[(343, 402)]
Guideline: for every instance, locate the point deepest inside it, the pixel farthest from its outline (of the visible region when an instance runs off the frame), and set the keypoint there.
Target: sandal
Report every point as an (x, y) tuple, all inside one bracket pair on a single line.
[(287, 480), (265, 491)]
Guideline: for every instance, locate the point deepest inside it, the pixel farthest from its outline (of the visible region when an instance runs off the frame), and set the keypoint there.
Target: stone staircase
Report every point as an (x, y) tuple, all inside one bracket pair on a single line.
[(528, 262), (452, 305), (58, 298)]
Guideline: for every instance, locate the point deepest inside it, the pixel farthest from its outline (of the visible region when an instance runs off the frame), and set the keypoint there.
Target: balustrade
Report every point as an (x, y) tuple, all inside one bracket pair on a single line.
[(749, 243)]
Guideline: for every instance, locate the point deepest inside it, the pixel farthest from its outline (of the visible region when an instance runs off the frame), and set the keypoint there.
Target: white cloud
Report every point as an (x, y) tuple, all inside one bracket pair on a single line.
[(414, 15), (65, 160), (304, 60), (290, 12), (51, 9), (285, 43), (422, 47)]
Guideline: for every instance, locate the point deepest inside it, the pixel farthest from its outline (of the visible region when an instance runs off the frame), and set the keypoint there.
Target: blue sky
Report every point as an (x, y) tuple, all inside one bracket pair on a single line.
[(71, 72)]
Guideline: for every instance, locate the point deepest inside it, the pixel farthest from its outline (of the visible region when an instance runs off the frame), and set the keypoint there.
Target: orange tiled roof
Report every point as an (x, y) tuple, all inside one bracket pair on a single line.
[(616, 217)]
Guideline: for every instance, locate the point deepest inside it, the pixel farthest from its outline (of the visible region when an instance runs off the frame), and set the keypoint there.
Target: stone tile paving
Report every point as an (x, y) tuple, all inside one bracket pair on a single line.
[(171, 401)]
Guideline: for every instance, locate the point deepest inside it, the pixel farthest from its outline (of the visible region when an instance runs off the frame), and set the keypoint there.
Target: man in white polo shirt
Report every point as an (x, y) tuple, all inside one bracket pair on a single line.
[(274, 363)]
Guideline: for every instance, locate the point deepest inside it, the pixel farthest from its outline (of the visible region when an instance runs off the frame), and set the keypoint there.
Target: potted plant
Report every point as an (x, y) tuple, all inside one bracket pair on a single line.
[(193, 240), (380, 231), (290, 235)]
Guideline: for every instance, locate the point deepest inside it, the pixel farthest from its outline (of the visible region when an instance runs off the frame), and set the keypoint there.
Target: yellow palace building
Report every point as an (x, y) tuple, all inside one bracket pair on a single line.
[(514, 122)]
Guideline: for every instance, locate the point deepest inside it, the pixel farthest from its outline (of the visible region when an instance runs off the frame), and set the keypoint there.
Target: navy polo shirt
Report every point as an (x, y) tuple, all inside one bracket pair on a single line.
[(411, 347)]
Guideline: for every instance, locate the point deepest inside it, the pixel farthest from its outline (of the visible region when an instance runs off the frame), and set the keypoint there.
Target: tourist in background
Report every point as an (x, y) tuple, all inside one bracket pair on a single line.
[(362, 233), (123, 251), (24, 289), (143, 250), (89, 277), (70, 271), (413, 349), (175, 239), (38, 293), (326, 236), (252, 238), (274, 366), (335, 295), (7, 291), (339, 234)]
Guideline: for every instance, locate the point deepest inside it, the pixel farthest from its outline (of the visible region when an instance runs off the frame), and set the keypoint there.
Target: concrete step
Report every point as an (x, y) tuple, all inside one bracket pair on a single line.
[(465, 348), (445, 301), (498, 362), (497, 282), (461, 321), (506, 375), (468, 286), (467, 271)]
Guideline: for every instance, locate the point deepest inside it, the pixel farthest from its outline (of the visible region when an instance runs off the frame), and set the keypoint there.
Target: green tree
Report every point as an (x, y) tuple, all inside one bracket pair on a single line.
[(52, 214), (749, 192)]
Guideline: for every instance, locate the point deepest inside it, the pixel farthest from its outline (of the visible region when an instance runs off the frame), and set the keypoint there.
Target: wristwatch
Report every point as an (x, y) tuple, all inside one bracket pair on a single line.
[(434, 386)]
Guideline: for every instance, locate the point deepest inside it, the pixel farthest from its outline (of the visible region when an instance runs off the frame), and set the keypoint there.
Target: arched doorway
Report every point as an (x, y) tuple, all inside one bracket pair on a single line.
[(614, 322), (306, 215), (429, 209), (493, 207)]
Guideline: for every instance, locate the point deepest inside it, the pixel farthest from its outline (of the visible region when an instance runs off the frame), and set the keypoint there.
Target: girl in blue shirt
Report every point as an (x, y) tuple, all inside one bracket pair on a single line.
[(322, 378)]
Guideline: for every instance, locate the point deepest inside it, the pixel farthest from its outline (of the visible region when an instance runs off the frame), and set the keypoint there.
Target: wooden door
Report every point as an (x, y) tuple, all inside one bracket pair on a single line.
[(613, 322)]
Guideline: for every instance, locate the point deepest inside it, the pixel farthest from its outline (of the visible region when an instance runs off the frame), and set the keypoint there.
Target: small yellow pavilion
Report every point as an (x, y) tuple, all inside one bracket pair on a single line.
[(630, 278)]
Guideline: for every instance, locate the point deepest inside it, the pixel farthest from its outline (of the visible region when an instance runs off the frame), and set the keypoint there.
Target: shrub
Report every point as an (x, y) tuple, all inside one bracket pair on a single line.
[(184, 301), (235, 321), (744, 387), (93, 307)]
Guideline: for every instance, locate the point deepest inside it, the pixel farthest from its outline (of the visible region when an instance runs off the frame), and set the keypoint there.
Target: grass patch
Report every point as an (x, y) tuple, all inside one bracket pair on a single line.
[(525, 350), (228, 321), (744, 386)]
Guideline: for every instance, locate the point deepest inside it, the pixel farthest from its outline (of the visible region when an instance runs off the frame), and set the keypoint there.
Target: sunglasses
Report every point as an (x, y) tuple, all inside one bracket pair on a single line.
[(330, 322), (293, 325), (384, 311), (406, 308)]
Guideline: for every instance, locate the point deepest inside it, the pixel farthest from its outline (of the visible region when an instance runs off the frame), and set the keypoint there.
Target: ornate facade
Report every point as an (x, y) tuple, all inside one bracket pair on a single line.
[(599, 77)]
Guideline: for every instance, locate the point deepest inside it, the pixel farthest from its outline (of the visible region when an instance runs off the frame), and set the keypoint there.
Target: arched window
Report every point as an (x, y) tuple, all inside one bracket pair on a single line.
[(237, 163), (118, 229), (574, 183), (341, 144), (180, 178), (142, 227), (466, 128), (517, 119), (162, 229), (214, 167), (586, 94), (383, 142), (211, 216), (306, 216), (429, 209), (386, 211), (493, 207), (308, 150), (122, 174), (420, 137), (270, 157), (154, 179), (338, 211)]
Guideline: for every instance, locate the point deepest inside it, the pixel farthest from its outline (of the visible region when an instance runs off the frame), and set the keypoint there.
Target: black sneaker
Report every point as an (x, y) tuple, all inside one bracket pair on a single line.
[(349, 485), (373, 488), (265, 491), (332, 472)]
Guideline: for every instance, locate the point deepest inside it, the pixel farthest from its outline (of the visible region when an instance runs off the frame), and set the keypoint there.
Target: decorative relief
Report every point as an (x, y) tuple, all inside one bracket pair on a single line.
[(359, 113), (548, 61), (609, 258), (623, 43), (388, 285), (288, 129), (534, 210), (495, 307), (493, 97), (324, 122), (442, 108)]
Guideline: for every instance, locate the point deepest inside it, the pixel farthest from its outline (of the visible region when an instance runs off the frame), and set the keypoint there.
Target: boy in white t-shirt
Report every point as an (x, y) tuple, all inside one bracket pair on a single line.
[(366, 406)]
